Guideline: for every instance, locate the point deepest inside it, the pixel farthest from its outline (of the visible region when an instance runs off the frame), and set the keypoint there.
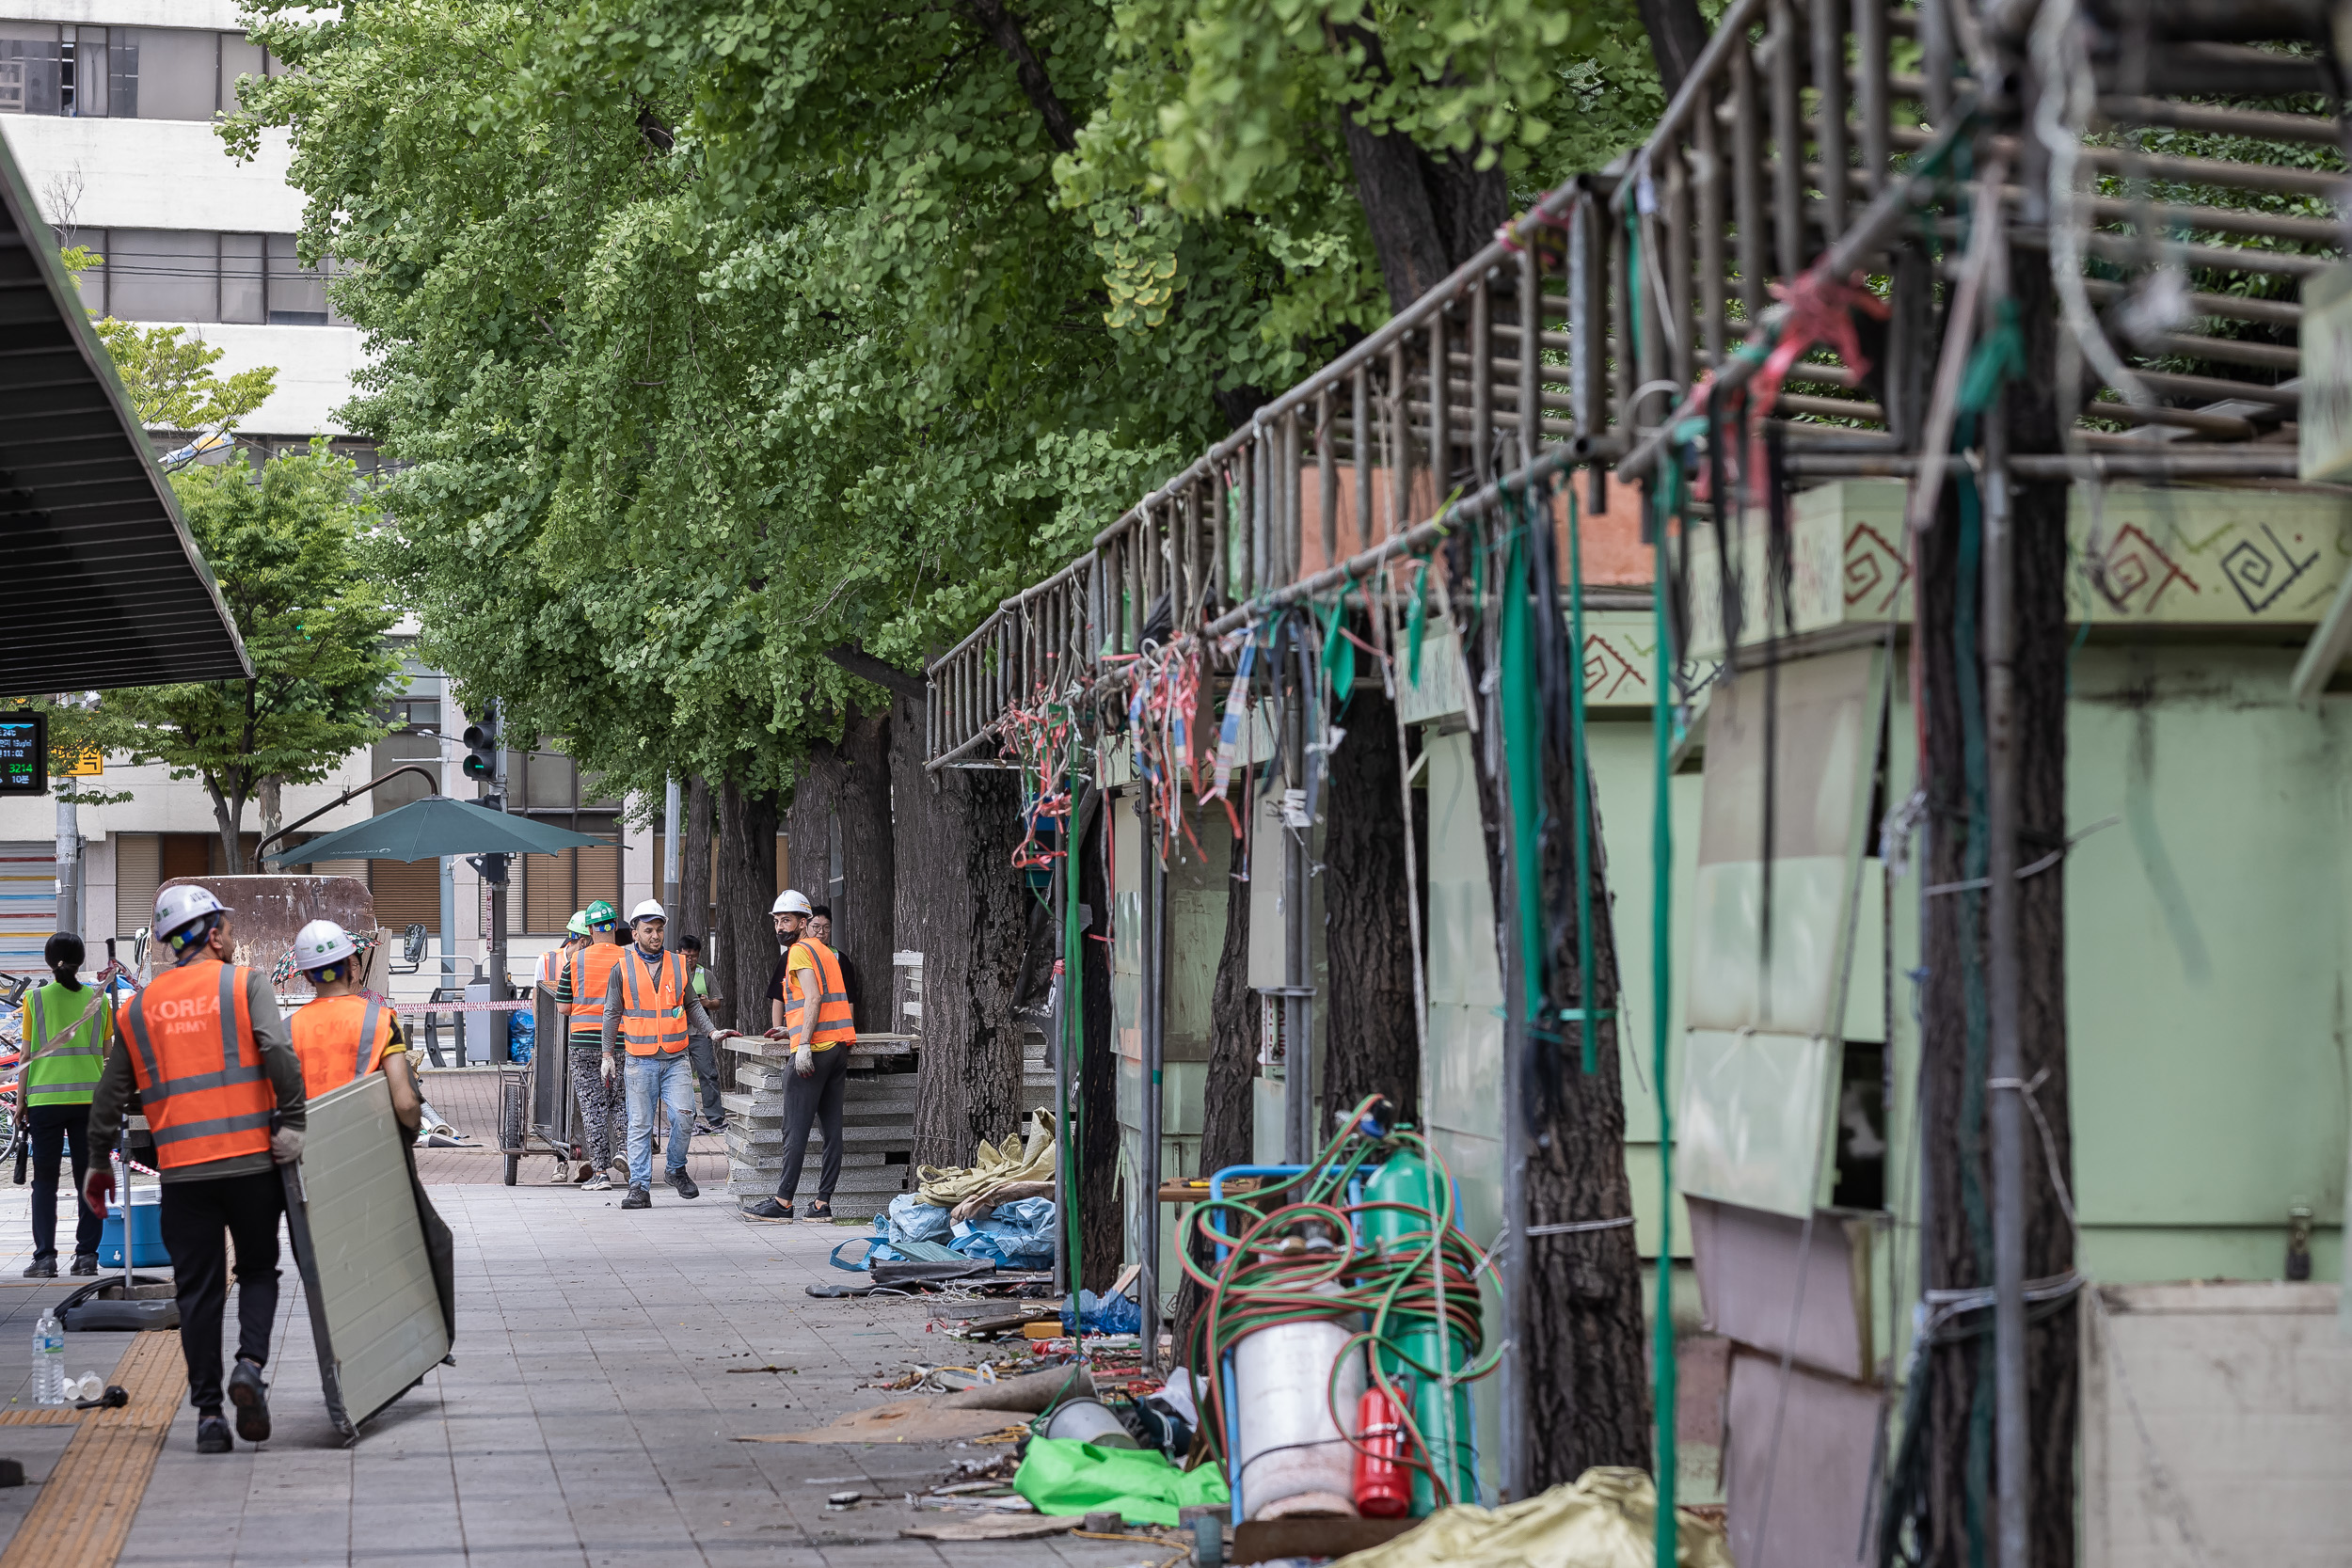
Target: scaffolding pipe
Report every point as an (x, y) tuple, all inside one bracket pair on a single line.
[(1154, 1025)]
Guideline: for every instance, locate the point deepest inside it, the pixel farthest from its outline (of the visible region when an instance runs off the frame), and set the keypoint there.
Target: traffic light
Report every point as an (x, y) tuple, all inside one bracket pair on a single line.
[(482, 749)]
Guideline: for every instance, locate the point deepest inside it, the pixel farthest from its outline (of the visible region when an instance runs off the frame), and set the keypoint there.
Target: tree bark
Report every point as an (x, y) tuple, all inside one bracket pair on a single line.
[(693, 875), (1677, 35), (1008, 32), (1101, 1200), (1585, 1342), (1954, 1045), (808, 822), (228, 819), (960, 905), (1227, 1107), (747, 886), (1428, 212), (866, 913), (1367, 929)]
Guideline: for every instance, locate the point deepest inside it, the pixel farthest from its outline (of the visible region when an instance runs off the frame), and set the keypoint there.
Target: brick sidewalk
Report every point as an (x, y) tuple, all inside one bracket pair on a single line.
[(589, 1420)]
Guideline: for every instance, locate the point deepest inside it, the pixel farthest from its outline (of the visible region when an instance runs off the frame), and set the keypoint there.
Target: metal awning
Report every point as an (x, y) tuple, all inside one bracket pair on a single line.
[(104, 586)]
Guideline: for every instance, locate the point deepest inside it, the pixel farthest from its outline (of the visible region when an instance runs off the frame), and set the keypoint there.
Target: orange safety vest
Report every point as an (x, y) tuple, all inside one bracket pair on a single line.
[(591, 971), (654, 1023), (340, 1039), (834, 1021), (197, 1066)]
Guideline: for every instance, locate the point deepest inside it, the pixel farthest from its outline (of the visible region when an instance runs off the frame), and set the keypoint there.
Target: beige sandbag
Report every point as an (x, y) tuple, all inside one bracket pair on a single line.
[(1605, 1520), (992, 1167)]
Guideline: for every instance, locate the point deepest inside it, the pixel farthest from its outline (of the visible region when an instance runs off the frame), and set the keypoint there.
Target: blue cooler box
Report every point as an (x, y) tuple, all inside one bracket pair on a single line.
[(147, 1233)]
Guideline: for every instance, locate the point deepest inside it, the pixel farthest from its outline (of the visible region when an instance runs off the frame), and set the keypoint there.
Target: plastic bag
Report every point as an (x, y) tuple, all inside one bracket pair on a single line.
[(522, 1035), (1104, 1315), (910, 1219), (1018, 1235)]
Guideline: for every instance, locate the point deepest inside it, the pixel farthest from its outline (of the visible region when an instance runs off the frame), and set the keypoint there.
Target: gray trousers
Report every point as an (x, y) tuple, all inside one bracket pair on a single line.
[(807, 1102), (705, 1058), (601, 1105)]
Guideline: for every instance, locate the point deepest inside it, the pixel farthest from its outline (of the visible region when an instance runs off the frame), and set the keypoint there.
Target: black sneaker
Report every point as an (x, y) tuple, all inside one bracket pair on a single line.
[(212, 1435), (83, 1262), (684, 1184), (250, 1395), (769, 1210), (637, 1197), (41, 1268)]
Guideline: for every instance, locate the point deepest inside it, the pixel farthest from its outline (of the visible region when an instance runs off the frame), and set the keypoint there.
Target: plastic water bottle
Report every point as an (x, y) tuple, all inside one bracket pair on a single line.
[(49, 1359)]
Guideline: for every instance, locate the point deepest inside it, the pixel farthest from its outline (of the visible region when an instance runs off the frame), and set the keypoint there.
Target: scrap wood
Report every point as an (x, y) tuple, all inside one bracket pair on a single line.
[(998, 1526), (901, 1422)]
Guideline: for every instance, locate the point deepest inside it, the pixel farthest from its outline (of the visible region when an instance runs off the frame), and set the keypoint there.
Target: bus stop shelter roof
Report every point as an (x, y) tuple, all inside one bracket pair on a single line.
[(105, 586)]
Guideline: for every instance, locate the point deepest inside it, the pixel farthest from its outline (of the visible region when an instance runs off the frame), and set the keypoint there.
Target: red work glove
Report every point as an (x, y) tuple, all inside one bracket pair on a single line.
[(98, 1188)]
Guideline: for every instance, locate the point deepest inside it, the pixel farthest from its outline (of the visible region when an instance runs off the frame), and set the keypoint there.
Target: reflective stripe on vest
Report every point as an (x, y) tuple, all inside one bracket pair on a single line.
[(338, 1039), (187, 1020), (591, 971), (834, 1021), (64, 1070), (655, 1024)]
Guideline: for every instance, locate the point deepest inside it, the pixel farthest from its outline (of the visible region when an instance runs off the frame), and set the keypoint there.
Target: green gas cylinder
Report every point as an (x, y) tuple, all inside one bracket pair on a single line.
[(1404, 1177)]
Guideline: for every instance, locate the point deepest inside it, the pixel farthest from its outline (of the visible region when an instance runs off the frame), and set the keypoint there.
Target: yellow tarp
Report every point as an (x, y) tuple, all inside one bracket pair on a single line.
[(948, 1186), (1604, 1521)]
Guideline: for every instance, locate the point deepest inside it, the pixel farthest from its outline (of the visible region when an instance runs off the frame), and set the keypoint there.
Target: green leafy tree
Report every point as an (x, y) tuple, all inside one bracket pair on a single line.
[(284, 544), (172, 384)]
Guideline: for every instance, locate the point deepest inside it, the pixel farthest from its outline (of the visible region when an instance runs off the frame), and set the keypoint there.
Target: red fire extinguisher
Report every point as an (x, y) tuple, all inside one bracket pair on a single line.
[(1384, 1487)]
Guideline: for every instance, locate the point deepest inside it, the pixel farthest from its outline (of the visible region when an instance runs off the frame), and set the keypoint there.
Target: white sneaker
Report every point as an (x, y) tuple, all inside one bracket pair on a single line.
[(597, 1183)]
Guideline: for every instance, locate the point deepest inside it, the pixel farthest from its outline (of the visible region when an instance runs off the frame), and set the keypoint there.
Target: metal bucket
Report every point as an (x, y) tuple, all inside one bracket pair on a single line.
[(1294, 1458), (1088, 1421)]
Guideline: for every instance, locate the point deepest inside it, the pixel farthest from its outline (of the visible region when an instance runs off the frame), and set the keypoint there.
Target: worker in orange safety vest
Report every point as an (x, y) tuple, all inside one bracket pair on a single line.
[(204, 1048), (342, 1033), (649, 1011), (815, 1016), (580, 987)]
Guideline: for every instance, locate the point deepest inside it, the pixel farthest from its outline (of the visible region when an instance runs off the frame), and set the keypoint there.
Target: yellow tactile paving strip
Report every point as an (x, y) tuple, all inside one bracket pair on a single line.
[(83, 1516), (40, 1416)]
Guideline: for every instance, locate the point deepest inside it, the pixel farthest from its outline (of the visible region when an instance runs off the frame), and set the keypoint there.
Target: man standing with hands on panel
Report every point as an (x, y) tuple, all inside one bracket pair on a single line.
[(810, 1007), (650, 1009), (216, 1073)]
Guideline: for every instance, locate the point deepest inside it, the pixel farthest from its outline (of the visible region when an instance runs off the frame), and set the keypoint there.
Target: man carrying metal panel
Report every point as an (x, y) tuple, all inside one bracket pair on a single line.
[(579, 987), (216, 1071), (66, 1027), (343, 1033), (650, 1009)]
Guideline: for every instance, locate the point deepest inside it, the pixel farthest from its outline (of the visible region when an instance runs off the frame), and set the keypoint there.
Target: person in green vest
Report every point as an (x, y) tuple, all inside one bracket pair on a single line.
[(66, 1026)]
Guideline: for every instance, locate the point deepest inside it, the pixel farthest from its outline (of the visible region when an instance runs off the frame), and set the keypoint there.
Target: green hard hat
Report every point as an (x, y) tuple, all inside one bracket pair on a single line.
[(600, 913), (578, 925)]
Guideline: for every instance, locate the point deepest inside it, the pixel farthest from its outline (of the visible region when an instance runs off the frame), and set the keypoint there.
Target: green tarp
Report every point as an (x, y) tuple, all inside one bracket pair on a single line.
[(1061, 1475)]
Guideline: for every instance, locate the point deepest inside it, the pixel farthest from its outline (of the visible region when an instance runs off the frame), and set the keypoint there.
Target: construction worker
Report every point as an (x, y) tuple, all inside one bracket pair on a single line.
[(215, 1071), (649, 1010), (342, 1033), (813, 1013), (702, 1048), (551, 961), (579, 987), (66, 1027)]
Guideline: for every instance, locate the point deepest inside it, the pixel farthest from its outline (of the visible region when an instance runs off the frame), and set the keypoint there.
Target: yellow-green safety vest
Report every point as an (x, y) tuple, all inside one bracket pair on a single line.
[(65, 1042)]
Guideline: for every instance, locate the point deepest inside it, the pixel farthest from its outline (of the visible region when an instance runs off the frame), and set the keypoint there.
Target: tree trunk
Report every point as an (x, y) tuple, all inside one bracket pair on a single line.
[(959, 904), (865, 912), (808, 822), (1101, 1200), (1585, 1362), (1677, 35), (1228, 1104), (693, 872), (271, 798), (1367, 928), (1954, 1044), (747, 886), (228, 818), (1428, 212)]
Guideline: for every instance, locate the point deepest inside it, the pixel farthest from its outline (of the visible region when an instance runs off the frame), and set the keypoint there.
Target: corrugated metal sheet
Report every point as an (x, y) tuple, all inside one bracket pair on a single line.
[(29, 904)]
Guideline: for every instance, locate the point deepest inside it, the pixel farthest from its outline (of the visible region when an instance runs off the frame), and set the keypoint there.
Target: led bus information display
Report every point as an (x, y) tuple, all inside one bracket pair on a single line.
[(24, 754)]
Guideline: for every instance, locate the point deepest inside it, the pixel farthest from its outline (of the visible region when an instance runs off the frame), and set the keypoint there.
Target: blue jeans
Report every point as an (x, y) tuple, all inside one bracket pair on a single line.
[(666, 1079)]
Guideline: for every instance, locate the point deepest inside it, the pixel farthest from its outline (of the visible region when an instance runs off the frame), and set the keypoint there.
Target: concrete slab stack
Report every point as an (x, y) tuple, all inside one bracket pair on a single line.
[(877, 1124)]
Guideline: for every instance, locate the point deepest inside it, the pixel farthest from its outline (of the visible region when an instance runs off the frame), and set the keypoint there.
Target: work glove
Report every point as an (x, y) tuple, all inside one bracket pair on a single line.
[(285, 1145), (98, 1188), (804, 1062), (609, 1066)]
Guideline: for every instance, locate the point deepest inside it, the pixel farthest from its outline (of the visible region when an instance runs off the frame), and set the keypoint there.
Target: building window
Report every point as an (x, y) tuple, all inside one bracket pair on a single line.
[(124, 72), (199, 274)]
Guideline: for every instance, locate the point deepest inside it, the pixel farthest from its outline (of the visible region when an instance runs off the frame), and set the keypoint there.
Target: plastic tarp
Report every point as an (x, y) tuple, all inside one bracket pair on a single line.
[(1606, 1519), (1060, 1475), (993, 1165), (1017, 1236)]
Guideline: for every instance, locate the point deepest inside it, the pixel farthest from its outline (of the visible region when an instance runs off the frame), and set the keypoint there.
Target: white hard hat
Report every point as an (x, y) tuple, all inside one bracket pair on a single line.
[(183, 905), (649, 910), (320, 944), (790, 901)]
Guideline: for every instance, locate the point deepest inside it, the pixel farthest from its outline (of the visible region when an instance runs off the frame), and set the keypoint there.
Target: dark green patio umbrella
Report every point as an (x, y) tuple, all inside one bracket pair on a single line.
[(435, 826)]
